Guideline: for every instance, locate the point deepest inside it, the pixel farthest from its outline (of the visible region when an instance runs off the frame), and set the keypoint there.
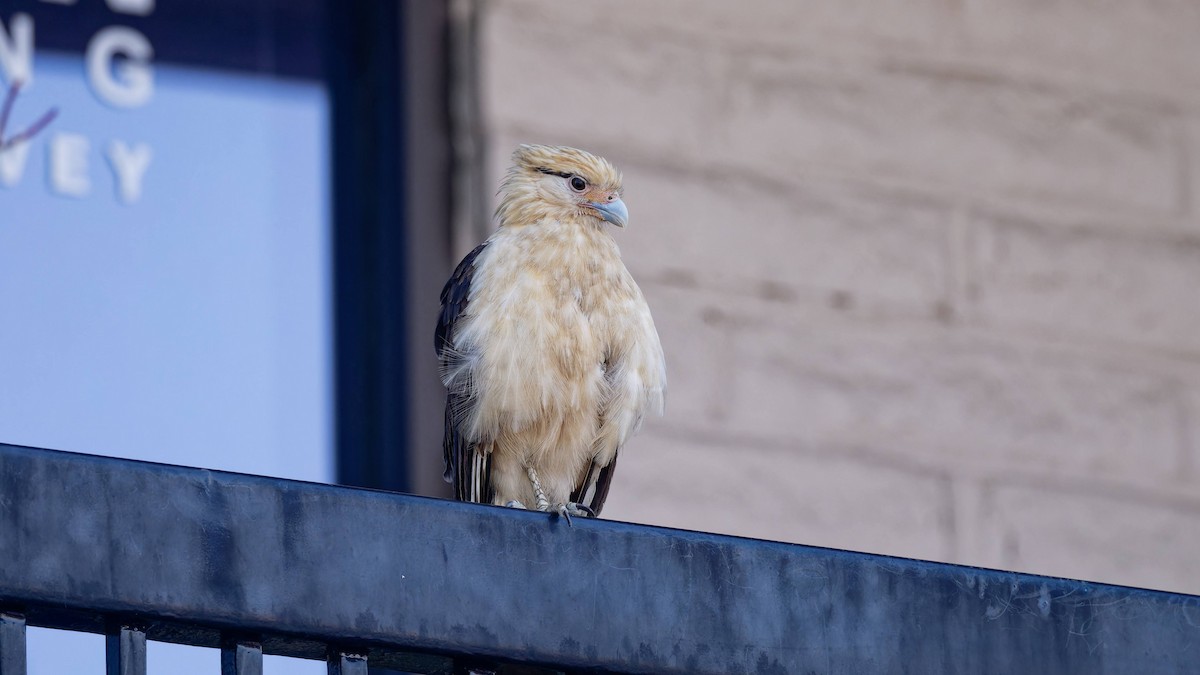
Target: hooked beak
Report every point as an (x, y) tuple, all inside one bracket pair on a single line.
[(614, 211)]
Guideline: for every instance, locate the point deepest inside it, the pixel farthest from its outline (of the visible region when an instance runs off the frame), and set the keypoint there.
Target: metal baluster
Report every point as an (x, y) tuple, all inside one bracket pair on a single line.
[(12, 644), (347, 663), (126, 649), (241, 658)]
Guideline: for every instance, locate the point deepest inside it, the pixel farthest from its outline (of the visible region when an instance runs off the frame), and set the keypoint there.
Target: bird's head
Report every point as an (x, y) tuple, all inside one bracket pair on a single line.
[(547, 181)]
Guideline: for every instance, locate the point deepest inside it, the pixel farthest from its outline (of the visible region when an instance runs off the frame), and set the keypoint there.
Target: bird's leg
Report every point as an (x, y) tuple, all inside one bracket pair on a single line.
[(543, 503), (514, 504)]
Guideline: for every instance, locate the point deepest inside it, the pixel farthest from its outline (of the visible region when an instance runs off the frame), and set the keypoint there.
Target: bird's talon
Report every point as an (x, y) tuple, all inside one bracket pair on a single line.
[(514, 504), (563, 511), (572, 509)]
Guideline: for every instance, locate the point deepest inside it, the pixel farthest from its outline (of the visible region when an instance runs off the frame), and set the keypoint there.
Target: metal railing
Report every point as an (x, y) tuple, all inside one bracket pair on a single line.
[(255, 565)]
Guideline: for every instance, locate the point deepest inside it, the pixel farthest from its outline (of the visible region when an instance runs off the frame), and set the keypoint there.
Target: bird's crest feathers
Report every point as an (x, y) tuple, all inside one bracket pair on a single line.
[(560, 158)]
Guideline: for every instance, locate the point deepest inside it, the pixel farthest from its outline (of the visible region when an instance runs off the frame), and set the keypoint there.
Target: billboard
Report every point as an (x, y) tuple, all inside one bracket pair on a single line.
[(165, 263)]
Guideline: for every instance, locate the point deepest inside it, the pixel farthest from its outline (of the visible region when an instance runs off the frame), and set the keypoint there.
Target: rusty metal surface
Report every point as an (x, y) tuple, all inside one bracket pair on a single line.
[(413, 582)]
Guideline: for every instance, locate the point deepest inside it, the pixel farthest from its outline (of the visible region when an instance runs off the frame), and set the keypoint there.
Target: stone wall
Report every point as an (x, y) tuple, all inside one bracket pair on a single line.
[(927, 272)]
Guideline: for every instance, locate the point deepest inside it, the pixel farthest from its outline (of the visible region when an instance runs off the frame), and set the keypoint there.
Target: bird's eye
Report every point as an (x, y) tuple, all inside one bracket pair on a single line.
[(577, 184)]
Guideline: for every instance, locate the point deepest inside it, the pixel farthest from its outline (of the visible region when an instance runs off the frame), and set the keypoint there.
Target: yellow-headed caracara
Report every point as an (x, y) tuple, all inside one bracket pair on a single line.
[(547, 348)]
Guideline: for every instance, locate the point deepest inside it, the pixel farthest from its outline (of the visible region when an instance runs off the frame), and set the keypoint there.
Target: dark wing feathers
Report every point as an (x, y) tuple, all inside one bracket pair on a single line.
[(454, 299), (458, 453), (601, 478), (602, 485), (460, 457)]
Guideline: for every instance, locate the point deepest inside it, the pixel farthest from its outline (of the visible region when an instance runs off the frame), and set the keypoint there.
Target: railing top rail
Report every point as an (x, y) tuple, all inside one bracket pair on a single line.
[(194, 554)]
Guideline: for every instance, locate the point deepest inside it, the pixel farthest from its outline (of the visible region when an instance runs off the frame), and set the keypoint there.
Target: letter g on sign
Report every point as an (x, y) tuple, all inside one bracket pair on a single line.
[(129, 82)]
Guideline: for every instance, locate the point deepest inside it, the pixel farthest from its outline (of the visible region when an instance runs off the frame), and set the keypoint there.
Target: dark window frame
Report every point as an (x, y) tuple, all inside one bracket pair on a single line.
[(388, 75)]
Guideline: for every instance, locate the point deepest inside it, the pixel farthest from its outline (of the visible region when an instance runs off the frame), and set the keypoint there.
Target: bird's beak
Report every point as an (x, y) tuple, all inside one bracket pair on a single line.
[(614, 211)]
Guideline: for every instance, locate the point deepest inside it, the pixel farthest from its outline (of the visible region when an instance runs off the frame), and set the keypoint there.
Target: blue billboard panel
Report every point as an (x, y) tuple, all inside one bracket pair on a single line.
[(165, 263), (164, 258)]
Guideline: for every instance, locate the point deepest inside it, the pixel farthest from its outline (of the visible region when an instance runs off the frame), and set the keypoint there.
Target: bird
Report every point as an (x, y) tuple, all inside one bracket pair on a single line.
[(546, 346)]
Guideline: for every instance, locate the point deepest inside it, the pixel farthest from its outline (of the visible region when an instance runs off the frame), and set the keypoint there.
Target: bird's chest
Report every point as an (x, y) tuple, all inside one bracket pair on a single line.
[(579, 291), (580, 275), (548, 295)]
